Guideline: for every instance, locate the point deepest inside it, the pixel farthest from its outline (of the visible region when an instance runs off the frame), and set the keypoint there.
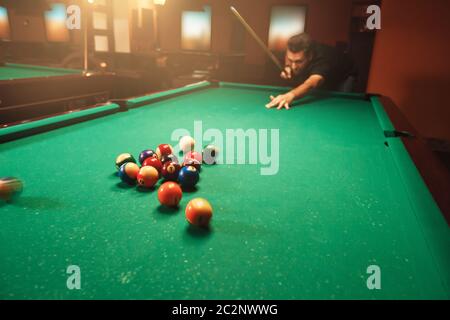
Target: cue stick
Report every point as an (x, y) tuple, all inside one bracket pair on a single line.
[(258, 40)]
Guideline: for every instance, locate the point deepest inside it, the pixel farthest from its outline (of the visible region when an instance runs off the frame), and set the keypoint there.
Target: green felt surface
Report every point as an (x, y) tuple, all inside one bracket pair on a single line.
[(341, 201), (12, 71)]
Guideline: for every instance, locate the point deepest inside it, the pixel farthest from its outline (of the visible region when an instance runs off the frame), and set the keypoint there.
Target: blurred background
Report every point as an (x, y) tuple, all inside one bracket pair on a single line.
[(153, 45), (193, 39)]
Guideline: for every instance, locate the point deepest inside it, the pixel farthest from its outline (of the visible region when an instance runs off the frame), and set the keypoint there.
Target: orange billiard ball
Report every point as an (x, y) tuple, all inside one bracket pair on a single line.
[(199, 212), (170, 194), (10, 188), (147, 177)]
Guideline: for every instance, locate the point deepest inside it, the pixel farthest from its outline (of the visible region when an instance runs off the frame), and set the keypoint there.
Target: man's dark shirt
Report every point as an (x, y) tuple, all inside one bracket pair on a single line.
[(334, 66)]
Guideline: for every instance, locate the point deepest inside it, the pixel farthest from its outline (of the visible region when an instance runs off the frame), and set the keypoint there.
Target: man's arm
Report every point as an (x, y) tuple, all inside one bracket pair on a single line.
[(313, 82), (285, 100)]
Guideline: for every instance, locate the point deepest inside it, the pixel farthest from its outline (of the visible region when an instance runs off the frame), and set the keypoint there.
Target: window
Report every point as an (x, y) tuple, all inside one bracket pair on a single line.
[(4, 24), (100, 21), (121, 27), (101, 43), (285, 21), (55, 23), (196, 30)]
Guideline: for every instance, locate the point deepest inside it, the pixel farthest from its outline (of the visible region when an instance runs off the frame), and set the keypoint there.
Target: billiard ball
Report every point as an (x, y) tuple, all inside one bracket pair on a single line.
[(124, 158), (187, 144), (146, 154), (164, 150), (210, 154), (199, 212), (188, 177), (169, 158), (10, 188), (128, 172), (192, 162), (170, 171), (147, 177), (153, 162), (193, 155), (170, 194)]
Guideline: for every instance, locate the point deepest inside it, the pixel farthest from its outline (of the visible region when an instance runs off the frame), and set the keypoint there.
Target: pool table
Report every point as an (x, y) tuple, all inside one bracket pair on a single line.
[(31, 91), (14, 71), (345, 196)]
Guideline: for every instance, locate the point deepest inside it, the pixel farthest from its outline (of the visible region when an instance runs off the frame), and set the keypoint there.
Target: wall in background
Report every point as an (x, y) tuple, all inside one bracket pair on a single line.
[(328, 21), (27, 27), (411, 62)]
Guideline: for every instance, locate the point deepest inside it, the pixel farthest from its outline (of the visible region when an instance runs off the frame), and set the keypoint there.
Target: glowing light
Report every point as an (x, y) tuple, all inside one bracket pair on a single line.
[(4, 24), (145, 4), (101, 43), (57, 14), (100, 20), (3, 13), (159, 2), (284, 23), (55, 21), (196, 30)]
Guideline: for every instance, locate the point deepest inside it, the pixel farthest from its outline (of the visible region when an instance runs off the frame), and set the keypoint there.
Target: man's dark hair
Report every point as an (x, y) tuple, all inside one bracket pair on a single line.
[(300, 42)]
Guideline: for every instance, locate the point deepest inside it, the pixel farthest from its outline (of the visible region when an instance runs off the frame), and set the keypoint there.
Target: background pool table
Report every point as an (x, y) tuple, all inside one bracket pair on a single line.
[(30, 91), (14, 71), (346, 196)]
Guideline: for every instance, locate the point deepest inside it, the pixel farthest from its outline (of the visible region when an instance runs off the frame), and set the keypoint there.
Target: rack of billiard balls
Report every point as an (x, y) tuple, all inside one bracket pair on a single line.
[(162, 163)]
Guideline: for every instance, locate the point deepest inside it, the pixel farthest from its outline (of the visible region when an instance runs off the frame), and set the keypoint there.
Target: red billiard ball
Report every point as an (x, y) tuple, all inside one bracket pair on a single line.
[(153, 162), (147, 177), (199, 212), (169, 158), (170, 171), (170, 194), (164, 150), (193, 155)]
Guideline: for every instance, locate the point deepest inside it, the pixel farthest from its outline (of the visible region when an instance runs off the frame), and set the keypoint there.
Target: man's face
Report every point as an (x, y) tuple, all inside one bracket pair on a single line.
[(297, 61)]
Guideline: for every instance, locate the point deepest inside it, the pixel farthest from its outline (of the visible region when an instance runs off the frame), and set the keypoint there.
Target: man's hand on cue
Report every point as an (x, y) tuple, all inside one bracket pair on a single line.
[(281, 101), (286, 74)]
